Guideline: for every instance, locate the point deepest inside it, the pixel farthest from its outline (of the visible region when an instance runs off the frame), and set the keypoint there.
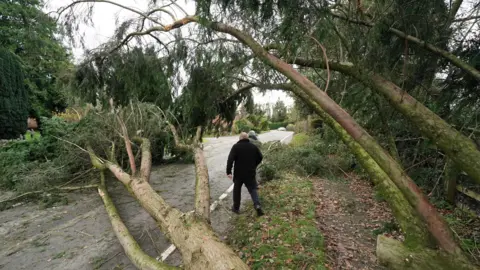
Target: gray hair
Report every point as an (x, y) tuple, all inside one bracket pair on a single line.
[(243, 136)]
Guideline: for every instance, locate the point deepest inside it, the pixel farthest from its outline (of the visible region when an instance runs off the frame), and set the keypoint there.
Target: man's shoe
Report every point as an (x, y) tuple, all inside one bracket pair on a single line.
[(259, 211), (236, 211)]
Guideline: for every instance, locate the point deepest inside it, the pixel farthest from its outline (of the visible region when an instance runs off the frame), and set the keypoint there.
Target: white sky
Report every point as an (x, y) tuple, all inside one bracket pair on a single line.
[(104, 20)]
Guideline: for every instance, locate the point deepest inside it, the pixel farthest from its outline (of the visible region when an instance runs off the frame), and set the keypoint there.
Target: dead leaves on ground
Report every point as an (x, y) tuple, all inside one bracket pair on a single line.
[(348, 216)]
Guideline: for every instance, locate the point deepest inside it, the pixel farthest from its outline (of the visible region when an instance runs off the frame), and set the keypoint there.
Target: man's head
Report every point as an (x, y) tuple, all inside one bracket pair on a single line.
[(243, 136)]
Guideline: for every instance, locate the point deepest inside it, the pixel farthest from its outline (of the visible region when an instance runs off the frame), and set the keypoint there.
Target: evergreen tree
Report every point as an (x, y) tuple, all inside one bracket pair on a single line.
[(13, 97)]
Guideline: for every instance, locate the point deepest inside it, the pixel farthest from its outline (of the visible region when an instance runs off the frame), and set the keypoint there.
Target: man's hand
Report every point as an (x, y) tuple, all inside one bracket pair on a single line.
[(230, 177)]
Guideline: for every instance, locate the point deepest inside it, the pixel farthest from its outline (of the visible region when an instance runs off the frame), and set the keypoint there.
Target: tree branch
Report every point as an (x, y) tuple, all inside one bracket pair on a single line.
[(146, 163), (128, 146), (134, 252), (438, 51)]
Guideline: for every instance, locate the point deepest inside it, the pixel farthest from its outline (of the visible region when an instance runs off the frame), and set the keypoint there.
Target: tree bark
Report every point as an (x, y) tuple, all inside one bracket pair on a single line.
[(202, 186), (435, 223), (193, 237), (451, 174), (140, 259)]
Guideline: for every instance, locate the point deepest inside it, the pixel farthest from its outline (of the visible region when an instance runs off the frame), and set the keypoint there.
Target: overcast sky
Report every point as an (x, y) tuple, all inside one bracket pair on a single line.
[(104, 19)]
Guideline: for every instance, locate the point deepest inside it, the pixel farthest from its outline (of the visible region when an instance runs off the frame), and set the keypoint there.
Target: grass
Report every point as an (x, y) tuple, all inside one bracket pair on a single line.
[(287, 236), (299, 139)]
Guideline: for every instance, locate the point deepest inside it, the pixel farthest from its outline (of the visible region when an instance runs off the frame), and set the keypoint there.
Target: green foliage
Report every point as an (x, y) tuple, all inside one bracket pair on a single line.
[(290, 127), (136, 74), (287, 238), (41, 163), (243, 125), (55, 157), (14, 104), (35, 38), (307, 155), (279, 113), (299, 139), (276, 125)]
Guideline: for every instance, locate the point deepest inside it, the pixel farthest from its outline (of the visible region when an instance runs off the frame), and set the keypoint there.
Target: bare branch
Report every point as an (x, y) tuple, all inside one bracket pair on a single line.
[(470, 18), (128, 145), (61, 10)]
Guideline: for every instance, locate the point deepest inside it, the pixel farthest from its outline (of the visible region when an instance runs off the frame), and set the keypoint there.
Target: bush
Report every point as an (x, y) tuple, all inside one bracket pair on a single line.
[(306, 155), (243, 125), (276, 125), (54, 158), (290, 127)]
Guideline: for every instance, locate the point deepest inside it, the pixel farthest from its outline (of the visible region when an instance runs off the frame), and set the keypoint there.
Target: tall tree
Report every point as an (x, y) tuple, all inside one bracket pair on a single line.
[(34, 36), (13, 97), (279, 112)]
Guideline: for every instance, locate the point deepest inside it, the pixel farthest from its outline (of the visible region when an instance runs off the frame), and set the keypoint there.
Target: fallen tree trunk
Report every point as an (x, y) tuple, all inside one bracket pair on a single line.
[(458, 147), (136, 255), (193, 236), (396, 256)]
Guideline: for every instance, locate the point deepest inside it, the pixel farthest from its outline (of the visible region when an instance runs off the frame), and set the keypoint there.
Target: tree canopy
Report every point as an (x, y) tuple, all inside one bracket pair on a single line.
[(27, 31)]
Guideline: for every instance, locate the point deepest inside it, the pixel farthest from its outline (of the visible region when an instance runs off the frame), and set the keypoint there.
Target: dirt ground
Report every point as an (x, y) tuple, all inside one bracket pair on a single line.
[(348, 216), (79, 236)]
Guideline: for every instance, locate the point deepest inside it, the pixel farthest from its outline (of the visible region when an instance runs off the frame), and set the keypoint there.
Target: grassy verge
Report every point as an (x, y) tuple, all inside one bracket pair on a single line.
[(287, 236), (299, 139)]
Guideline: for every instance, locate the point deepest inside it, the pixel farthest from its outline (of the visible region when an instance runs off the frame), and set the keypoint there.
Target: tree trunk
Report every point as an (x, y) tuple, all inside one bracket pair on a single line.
[(413, 227), (193, 236), (458, 147), (435, 223), (140, 259), (396, 256), (195, 239), (202, 187), (451, 174)]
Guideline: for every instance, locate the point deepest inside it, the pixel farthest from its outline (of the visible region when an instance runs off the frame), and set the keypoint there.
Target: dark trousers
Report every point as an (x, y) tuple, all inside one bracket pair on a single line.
[(237, 192)]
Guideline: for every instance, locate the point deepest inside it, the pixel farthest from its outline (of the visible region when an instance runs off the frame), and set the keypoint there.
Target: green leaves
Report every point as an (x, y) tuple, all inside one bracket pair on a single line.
[(32, 35)]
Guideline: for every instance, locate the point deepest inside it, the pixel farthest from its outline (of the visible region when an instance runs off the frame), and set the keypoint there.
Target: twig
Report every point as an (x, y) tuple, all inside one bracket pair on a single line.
[(109, 259), (84, 233), (438, 180)]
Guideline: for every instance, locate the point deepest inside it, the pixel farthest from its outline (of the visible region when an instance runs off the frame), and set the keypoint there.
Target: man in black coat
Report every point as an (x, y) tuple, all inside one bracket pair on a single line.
[(246, 157)]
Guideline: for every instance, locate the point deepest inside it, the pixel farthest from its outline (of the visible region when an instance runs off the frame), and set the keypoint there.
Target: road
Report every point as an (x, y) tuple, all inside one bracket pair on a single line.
[(79, 236)]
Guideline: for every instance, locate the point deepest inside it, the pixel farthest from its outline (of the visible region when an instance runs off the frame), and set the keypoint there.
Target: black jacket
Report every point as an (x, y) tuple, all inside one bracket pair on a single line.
[(246, 157)]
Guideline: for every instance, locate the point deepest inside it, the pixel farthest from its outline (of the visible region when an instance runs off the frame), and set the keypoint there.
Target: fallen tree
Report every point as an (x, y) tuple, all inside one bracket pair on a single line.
[(136, 255), (461, 149), (189, 232)]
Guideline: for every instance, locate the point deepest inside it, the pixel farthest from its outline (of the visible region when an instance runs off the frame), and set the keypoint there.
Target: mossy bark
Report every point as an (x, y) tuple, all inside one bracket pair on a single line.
[(456, 146), (396, 256), (451, 174)]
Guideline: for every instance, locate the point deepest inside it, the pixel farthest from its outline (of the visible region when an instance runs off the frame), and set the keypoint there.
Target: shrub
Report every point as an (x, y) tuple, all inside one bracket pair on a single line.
[(276, 125), (306, 155), (243, 125), (290, 127)]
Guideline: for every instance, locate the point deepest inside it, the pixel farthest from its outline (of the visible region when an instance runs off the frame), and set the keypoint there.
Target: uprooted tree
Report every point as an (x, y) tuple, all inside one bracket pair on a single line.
[(297, 34)]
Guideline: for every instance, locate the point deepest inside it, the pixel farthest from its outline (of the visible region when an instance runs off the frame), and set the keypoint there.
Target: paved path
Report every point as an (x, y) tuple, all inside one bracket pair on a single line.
[(79, 235)]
